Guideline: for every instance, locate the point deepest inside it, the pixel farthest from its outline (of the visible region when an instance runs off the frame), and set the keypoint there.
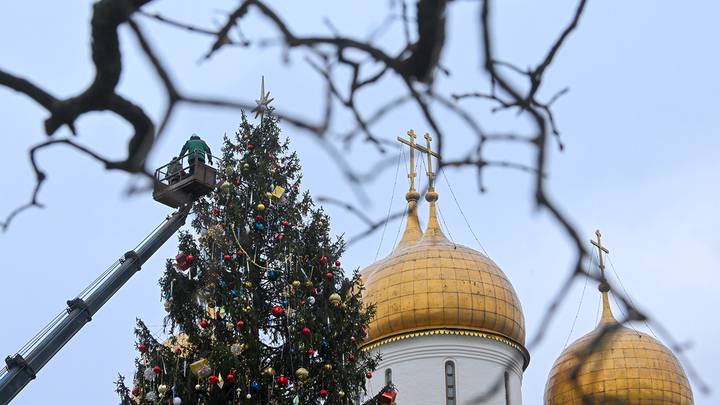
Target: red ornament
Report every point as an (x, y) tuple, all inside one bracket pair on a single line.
[(282, 380), (329, 275), (178, 350), (278, 310), (157, 369), (250, 146), (323, 259), (239, 253), (190, 258), (285, 222), (230, 378), (136, 391), (213, 379), (142, 348), (236, 182), (182, 261), (337, 263), (388, 397), (323, 392), (368, 375), (216, 211), (352, 357), (311, 352), (333, 381), (240, 324), (227, 258), (259, 217), (306, 331), (204, 323)]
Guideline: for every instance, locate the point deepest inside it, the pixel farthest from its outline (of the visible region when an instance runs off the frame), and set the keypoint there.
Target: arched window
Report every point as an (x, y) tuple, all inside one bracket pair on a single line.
[(388, 376), (450, 389)]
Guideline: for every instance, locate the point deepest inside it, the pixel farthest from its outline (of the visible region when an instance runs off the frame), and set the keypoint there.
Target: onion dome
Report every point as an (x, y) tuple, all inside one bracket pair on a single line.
[(429, 285), (625, 367)]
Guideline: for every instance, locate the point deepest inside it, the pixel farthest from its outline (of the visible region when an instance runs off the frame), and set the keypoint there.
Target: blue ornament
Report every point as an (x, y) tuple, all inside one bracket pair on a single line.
[(255, 386), (285, 303), (259, 226), (233, 293), (272, 275)]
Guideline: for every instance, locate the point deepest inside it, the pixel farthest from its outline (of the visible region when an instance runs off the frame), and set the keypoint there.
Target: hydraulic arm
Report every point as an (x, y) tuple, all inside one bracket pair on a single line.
[(23, 366)]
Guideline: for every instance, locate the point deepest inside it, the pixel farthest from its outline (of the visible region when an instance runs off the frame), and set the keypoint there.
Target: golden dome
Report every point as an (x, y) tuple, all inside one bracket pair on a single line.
[(629, 368), (431, 285)]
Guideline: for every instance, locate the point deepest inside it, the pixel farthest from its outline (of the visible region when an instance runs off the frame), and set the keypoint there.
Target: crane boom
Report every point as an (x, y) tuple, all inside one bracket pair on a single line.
[(23, 366)]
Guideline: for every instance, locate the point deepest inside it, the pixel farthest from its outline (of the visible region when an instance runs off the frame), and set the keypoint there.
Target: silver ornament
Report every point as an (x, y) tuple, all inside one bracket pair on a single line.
[(311, 300), (236, 349), (149, 374), (151, 396), (177, 401)]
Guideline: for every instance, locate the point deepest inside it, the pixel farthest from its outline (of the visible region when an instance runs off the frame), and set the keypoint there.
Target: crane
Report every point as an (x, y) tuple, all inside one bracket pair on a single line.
[(172, 187)]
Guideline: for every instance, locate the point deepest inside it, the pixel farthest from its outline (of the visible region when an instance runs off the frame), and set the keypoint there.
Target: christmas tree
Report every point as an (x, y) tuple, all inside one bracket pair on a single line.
[(259, 309)]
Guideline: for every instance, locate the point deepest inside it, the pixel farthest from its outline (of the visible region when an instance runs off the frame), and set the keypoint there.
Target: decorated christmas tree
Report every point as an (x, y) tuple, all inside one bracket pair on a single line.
[(259, 309)]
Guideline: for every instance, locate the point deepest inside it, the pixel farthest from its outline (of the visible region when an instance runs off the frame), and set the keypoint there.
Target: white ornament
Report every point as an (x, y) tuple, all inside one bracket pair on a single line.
[(248, 396), (236, 349), (149, 374), (311, 300), (151, 396), (177, 401)]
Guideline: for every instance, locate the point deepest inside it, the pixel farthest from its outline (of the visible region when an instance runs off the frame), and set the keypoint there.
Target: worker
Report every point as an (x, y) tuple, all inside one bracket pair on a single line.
[(196, 149), (175, 170)]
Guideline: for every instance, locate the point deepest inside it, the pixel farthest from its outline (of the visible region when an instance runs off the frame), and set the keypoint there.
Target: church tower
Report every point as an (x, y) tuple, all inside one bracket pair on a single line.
[(449, 324), (614, 364)]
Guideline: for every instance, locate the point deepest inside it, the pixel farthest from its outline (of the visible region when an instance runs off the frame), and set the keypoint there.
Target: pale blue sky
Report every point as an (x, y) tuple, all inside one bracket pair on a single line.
[(640, 125)]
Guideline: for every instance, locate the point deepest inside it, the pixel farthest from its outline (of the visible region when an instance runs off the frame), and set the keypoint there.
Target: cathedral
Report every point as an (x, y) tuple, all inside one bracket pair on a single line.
[(450, 329)]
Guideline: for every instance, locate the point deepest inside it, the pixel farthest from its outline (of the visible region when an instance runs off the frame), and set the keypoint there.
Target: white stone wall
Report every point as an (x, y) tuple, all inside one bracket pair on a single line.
[(418, 370)]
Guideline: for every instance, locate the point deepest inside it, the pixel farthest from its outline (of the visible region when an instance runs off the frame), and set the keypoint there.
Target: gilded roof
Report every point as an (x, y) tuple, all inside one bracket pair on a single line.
[(430, 283), (629, 367)]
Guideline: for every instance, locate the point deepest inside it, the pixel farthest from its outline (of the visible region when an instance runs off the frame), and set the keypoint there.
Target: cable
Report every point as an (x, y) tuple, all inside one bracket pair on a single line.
[(627, 294), (390, 205), (582, 296), (447, 228), (452, 193)]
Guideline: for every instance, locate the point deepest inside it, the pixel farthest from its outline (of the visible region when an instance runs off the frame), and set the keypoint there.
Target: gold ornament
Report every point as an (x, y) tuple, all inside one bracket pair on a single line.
[(341, 394), (261, 207), (269, 372), (197, 387), (335, 299), (246, 166), (248, 284), (296, 284), (268, 194), (162, 389), (226, 186), (229, 326), (328, 366), (302, 374), (309, 284)]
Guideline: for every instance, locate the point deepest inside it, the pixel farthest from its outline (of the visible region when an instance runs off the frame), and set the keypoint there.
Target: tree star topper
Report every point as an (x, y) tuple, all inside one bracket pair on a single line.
[(263, 103)]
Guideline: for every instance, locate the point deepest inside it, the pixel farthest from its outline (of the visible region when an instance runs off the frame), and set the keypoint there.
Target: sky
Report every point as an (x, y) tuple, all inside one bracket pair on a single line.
[(640, 125)]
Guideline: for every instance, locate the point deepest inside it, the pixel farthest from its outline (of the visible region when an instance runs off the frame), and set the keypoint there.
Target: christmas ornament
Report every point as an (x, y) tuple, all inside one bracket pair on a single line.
[(368, 375), (162, 389), (277, 310), (279, 237), (329, 275), (302, 374), (246, 166), (337, 263), (296, 284), (261, 207), (213, 379), (323, 392), (283, 381), (157, 369), (236, 182), (255, 386), (216, 211), (269, 372), (272, 275), (198, 365), (149, 374), (285, 222), (352, 357), (268, 194), (151, 396), (190, 258), (311, 300), (311, 352), (250, 146), (259, 226), (328, 367), (227, 258), (335, 299), (259, 217), (226, 186), (142, 348), (240, 324), (248, 284), (341, 394), (204, 323), (248, 396), (136, 391), (230, 378), (306, 331), (182, 261), (177, 401), (236, 349), (309, 284), (229, 326), (323, 260), (197, 387)]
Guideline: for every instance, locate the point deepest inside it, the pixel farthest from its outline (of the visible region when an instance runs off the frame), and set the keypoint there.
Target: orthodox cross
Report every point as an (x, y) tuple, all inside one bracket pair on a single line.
[(601, 249), (263, 103), (422, 149)]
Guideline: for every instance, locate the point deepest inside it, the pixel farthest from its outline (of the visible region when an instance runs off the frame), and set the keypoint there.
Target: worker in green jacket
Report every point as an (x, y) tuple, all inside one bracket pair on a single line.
[(196, 149)]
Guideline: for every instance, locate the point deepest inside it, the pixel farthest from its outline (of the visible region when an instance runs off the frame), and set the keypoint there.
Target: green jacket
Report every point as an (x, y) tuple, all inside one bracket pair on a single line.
[(196, 148)]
